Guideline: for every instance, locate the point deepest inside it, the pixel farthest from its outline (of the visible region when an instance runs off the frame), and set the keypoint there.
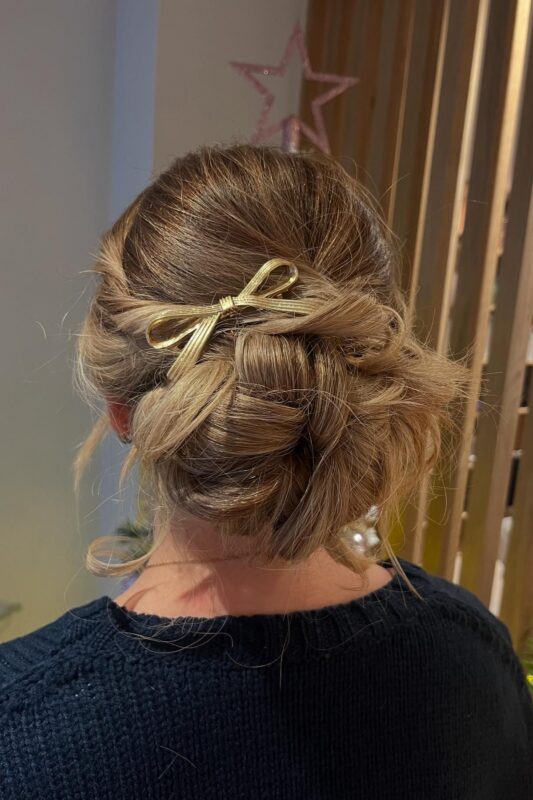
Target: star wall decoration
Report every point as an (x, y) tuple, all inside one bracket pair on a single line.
[(292, 126)]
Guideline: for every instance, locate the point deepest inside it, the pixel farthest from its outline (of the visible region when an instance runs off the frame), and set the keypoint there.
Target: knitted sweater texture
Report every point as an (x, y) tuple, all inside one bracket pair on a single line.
[(387, 697)]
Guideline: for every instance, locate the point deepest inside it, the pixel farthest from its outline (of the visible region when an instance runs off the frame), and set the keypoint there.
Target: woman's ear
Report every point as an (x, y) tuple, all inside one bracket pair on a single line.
[(120, 417)]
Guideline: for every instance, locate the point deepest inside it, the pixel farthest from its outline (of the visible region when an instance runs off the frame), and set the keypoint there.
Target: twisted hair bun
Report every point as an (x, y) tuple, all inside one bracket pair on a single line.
[(288, 428)]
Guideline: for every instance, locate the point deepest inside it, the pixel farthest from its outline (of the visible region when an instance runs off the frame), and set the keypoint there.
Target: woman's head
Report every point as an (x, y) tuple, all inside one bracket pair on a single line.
[(289, 426)]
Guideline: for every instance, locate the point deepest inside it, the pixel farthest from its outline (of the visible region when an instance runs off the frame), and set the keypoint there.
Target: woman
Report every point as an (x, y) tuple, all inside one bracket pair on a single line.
[(250, 340)]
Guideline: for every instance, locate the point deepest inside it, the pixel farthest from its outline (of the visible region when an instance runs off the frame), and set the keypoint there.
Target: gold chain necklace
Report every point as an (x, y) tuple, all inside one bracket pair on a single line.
[(195, 561)]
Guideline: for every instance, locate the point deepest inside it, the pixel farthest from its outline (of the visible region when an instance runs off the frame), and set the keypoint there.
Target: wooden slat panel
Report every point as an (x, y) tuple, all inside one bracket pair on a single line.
[(384, 67), (365, 31), (441, 200), (429, 36), (434, 120), (394, 125), (358, 145), (436, 248), (343, 45), (517, 601), (496, 429), (494, 138)]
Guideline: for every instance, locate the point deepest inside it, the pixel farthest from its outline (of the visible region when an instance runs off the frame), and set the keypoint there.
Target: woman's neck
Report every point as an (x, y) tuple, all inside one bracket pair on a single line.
[(231, 581)]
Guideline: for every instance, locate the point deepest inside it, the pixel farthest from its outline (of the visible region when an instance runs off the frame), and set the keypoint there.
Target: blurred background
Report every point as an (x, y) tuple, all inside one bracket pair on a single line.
[(428, 102)]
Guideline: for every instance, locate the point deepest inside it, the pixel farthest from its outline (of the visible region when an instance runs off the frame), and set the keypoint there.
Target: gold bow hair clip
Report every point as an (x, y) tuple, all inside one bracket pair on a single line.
[(159, 332)]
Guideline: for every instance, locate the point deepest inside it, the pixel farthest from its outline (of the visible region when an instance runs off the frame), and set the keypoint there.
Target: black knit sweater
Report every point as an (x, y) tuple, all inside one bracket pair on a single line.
[(385, 697)]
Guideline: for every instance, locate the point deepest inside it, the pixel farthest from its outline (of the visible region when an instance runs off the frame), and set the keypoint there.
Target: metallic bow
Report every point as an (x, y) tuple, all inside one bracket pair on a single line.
[(198, 333)]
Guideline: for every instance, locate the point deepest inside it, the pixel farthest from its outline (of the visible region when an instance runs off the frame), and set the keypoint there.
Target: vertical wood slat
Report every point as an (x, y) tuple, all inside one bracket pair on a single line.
[(496, 431), (367, 72), (412, 518), (429, 35), (329, 44), (496, 126), (316, 40), (457, 106), (436, 243), (396, 107), (383, 66), (517, 602), (364, 32), (341, 55)]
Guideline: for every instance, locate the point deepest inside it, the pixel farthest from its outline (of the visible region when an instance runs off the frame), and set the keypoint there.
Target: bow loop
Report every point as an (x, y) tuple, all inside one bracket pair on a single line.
[(262, 274)]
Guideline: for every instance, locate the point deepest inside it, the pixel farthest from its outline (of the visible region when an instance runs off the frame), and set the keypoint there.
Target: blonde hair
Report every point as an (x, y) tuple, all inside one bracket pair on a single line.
[(288, 428)]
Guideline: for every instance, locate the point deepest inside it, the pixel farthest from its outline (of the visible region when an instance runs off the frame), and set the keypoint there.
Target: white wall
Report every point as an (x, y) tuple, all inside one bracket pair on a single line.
[(131, 170), (97, 97), (56, 61)]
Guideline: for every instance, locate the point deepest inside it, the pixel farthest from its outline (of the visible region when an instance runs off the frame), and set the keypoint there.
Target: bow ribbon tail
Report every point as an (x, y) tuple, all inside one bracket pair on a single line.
[(191, 352)]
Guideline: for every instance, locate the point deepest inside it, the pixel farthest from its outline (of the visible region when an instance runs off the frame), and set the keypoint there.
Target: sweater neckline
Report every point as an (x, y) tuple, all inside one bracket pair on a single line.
[(325, 628)]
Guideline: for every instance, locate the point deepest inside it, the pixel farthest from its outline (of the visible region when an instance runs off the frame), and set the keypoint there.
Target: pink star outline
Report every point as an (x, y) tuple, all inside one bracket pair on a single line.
[(293, 122)]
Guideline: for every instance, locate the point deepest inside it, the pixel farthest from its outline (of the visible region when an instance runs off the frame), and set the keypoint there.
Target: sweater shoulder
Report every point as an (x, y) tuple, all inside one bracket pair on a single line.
[(40, 650), (455, 601)]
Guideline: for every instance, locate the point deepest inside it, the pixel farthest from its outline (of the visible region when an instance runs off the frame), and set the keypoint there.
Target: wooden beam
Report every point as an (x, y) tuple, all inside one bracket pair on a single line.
[(418, 134), (510, 332), (496, 127), (455, 103), (517, 601)]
